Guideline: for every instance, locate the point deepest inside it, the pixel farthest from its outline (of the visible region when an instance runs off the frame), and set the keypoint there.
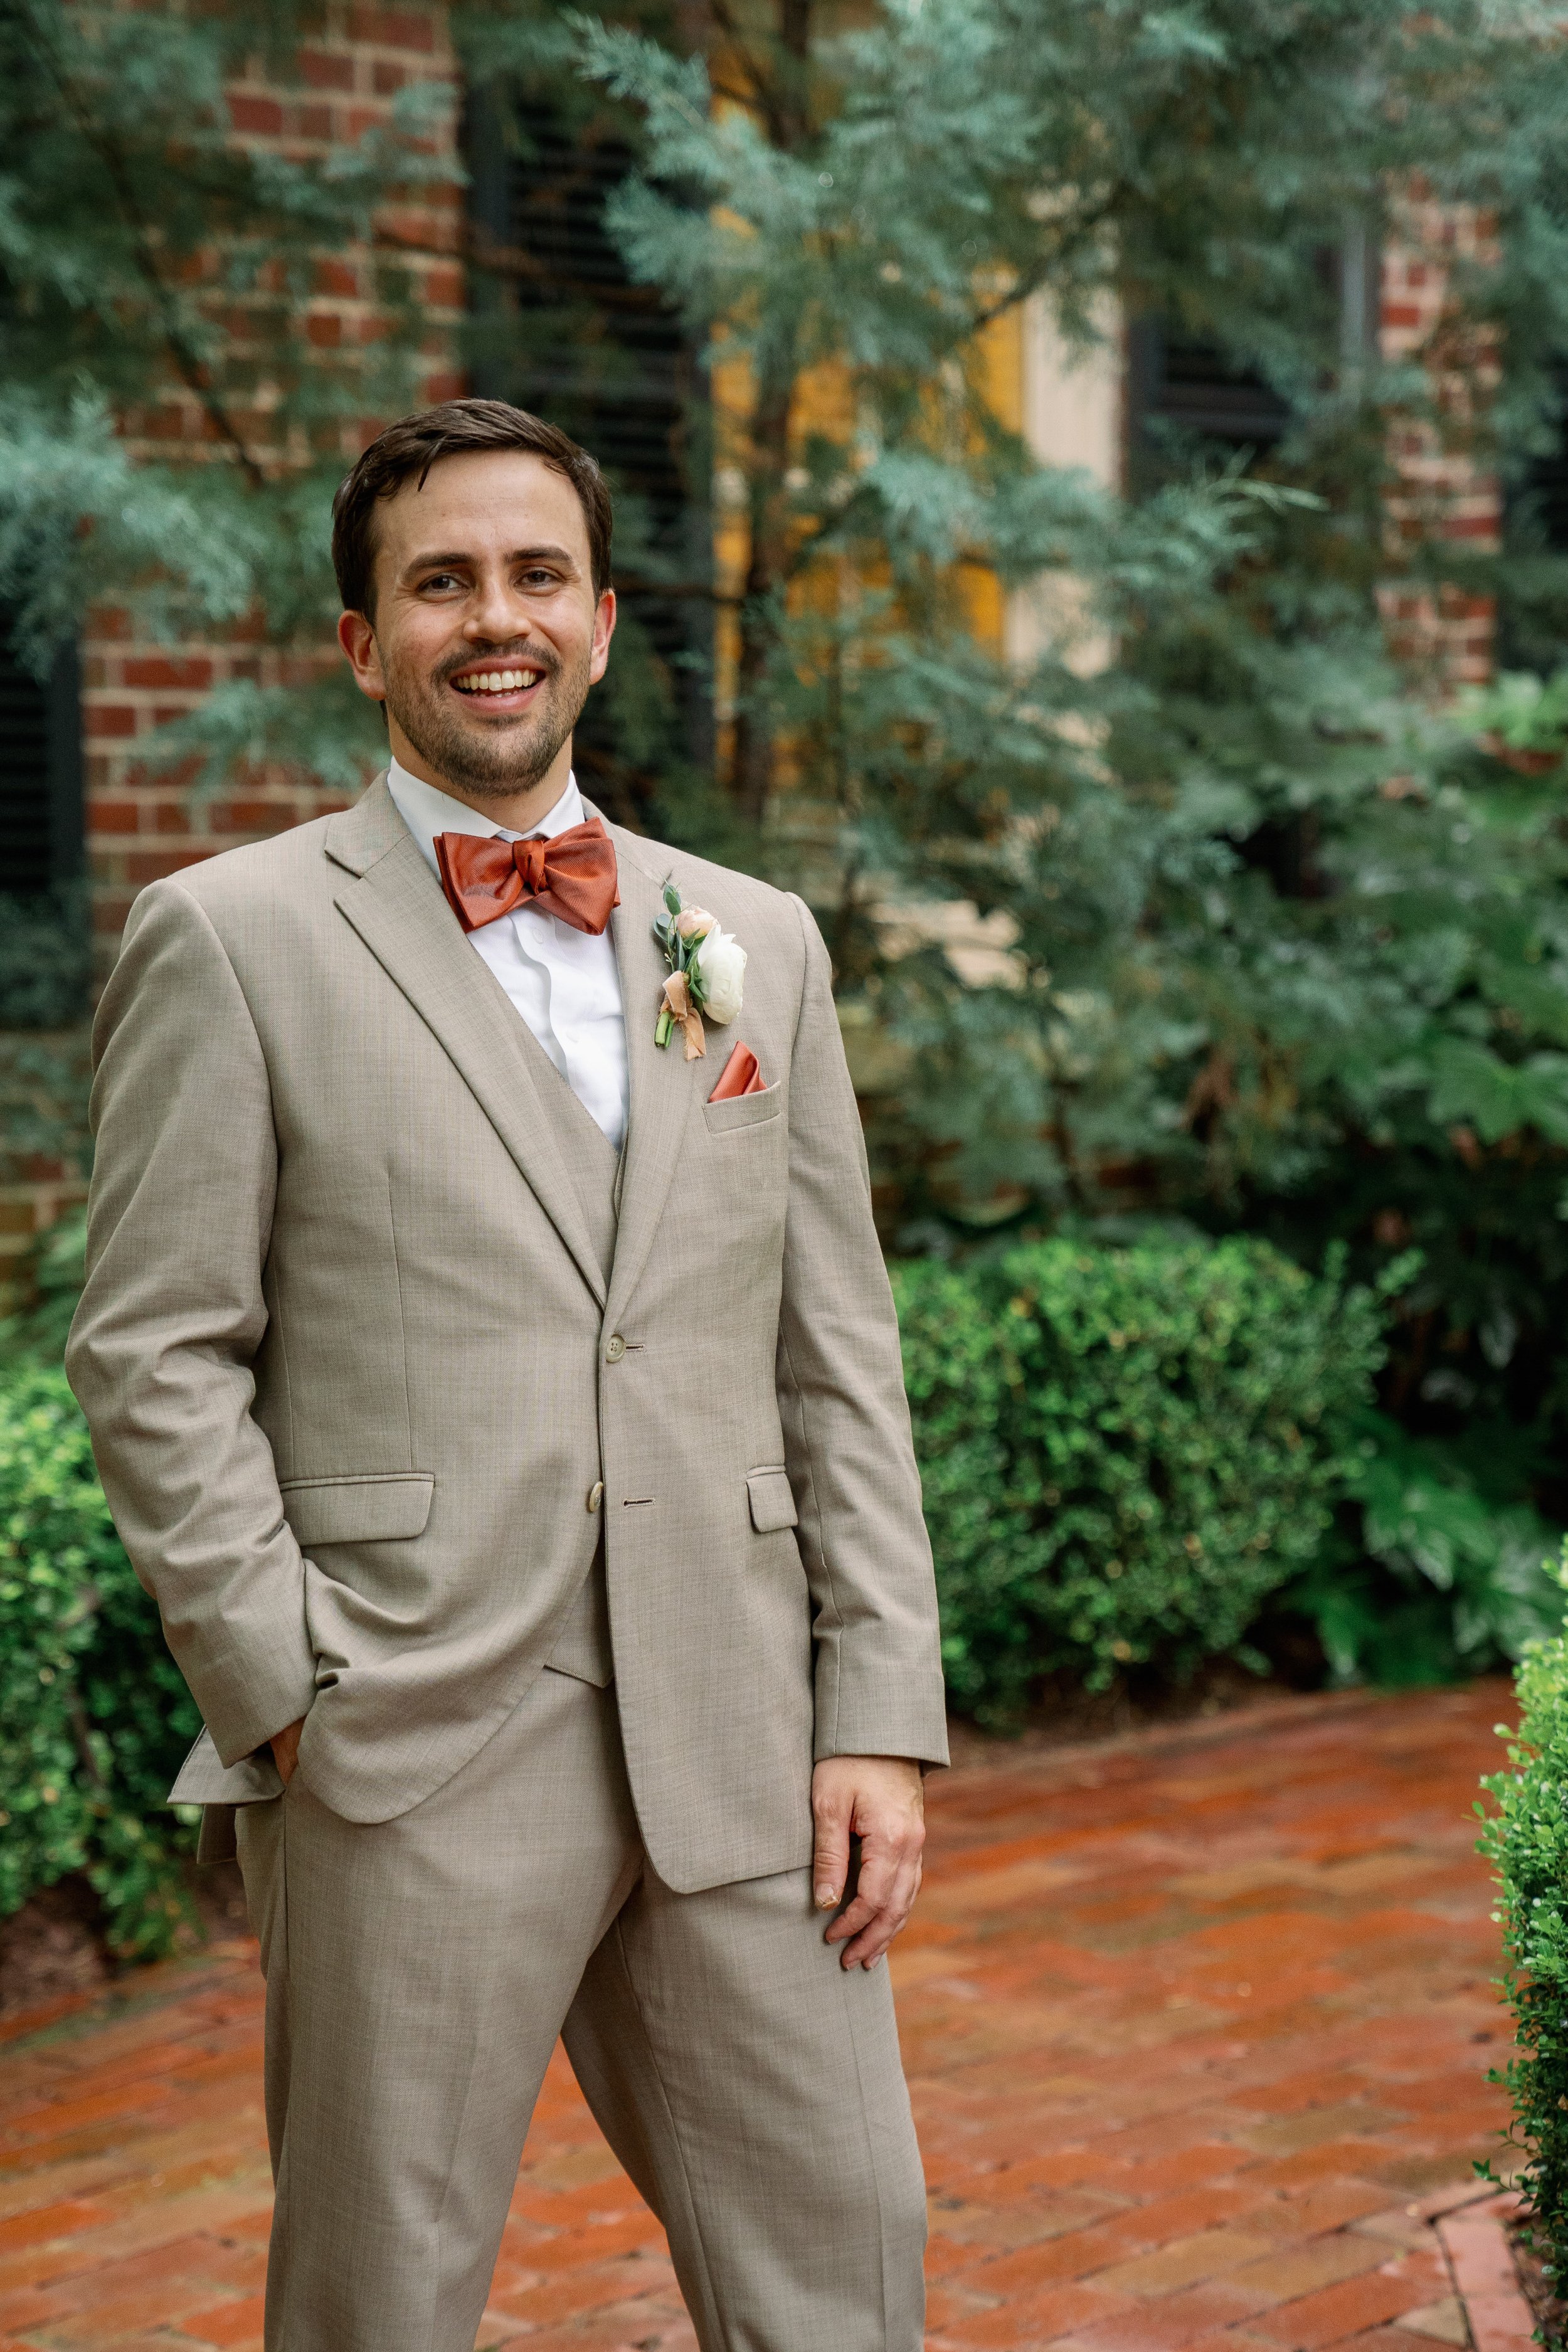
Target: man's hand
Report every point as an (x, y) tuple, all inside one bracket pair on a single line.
[(285, 1746), (880, 1801)]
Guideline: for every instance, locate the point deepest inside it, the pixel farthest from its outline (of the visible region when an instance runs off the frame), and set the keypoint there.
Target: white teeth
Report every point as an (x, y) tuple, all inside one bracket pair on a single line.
[(498, 681)]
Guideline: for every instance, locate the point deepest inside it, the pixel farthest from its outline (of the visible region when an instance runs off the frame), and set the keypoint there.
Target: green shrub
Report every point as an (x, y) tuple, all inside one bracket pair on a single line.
[(1432, 1579), (56, 1269), (1527, 1840), (1124, 1450), (94, 1715), (45, 957)]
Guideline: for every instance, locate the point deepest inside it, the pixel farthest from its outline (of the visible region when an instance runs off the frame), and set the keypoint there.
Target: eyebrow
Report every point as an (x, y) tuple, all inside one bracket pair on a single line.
[(451, 559)]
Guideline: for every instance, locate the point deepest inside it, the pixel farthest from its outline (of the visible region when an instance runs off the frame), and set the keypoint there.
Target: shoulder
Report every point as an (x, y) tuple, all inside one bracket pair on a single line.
[(254, 875), (753, 910), (272, 892)]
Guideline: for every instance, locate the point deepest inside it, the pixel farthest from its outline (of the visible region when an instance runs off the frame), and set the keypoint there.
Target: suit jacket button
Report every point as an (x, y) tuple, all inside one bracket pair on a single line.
[(595, 1494), (617, 1348)]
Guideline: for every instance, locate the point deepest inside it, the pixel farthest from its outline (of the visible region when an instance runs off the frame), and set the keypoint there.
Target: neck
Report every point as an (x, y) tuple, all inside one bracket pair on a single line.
[(516, 812)]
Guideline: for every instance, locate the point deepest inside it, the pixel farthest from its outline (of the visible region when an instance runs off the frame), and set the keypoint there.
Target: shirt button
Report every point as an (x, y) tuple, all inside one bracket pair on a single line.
[(617, 1348), (595, 1494)]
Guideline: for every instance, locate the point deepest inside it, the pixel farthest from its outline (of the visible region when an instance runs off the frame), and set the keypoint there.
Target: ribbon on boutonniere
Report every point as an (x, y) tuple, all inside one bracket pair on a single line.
[(707, 968)]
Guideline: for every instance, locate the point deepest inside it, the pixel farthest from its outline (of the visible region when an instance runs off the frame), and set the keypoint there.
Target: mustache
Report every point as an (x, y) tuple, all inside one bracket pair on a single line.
[(501, 658)]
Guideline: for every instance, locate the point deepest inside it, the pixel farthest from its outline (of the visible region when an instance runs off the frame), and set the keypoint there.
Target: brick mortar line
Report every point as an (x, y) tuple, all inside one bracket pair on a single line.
[(1498, 2316), (1148, 1737)]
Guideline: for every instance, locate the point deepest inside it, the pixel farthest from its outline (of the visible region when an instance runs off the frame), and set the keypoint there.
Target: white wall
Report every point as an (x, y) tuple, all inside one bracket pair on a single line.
[(1072, 404)]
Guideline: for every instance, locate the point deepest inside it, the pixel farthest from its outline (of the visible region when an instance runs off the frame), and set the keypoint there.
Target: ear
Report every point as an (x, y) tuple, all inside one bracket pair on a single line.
[(357, 639), (604, 630)]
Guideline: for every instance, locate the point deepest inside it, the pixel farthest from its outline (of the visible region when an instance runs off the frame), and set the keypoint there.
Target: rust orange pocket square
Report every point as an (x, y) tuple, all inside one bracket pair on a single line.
[(740, 1076)]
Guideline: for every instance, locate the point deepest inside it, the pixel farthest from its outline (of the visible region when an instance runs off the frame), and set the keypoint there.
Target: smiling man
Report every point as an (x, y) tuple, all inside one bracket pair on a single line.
[(504, 1409)]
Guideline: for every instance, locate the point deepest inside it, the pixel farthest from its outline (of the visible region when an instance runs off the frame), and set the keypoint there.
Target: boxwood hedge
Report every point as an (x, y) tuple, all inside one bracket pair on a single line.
[(1124, 1450), (1526, 1838), (94, 1715)]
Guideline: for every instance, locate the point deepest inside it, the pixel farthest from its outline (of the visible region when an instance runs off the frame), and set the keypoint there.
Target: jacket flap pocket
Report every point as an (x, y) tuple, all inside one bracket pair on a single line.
[(773, 1504), (744, 1110), (358, 1509), (205, 1780)]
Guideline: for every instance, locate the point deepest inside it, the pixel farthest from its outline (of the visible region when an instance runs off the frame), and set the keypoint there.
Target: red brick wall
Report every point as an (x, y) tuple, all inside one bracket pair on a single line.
[(140, 826), (1444, 493)]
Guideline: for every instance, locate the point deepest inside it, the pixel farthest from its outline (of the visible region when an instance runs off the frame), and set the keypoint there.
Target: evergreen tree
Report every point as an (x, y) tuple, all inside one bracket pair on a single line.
[(171, 430), (1275, 941), (1281, 943)]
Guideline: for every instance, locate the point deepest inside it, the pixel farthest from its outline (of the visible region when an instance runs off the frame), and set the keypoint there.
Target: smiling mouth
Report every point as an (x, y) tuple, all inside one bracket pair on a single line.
[(487, 685)]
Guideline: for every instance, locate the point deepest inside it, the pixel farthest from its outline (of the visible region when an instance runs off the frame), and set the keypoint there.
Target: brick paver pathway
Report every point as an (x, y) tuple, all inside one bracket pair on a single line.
[(1197, 2026)]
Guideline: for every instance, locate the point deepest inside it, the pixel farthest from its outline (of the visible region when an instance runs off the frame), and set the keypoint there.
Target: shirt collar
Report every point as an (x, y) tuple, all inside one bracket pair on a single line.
[(427, 812)]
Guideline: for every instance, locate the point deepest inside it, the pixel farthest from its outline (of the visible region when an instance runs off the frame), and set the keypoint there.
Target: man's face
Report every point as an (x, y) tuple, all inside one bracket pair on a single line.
[(486, 635)]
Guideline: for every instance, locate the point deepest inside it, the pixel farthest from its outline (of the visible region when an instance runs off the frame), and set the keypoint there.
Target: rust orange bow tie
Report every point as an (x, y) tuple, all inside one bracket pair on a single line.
[(572, 875)]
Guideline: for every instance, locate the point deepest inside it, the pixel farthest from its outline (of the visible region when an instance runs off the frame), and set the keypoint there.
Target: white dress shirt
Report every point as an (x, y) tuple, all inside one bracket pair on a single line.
[(562, 981)]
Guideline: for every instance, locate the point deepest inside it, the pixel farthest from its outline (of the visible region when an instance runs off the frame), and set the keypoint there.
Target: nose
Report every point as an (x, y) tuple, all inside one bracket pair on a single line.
[(495, 613)]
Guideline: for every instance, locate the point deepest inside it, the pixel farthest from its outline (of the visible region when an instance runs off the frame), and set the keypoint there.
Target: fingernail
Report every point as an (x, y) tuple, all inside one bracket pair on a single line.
[(827, 1898)]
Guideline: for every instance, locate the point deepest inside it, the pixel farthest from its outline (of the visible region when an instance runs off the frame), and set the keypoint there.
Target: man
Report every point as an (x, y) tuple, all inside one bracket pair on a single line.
[(506, 1419)]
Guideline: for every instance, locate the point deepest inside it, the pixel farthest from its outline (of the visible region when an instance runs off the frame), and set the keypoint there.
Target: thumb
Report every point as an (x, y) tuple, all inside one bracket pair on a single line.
[(830, 1865)]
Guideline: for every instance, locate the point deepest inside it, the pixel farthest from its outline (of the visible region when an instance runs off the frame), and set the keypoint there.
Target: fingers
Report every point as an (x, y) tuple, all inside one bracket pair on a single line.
[(880, 1800), (285, 1746), (890, 1882), (832, 1809)]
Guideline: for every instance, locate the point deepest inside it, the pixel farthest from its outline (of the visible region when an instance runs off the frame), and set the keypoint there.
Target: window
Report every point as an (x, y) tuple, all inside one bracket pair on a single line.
[(1180, 388), (560, 328), (45, 933), (40, 773), (1541, 497), (1184, 387)]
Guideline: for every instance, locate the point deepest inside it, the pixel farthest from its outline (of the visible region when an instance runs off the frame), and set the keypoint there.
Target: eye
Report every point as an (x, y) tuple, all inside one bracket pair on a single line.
[(440, 581), (538, 575)]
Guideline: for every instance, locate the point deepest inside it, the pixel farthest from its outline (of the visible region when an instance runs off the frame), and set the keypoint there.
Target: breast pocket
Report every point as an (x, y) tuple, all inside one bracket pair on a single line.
[(743, 1112)]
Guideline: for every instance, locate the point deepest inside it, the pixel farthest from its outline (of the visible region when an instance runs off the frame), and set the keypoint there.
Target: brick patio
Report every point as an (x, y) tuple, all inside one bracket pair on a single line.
[(1198, 2024)]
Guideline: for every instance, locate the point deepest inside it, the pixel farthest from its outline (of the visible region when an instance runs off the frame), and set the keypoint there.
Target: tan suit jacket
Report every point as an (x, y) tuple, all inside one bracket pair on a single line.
[(354, 1368)]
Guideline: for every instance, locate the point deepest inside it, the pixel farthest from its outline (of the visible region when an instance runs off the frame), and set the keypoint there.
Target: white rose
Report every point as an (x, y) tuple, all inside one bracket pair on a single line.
[(722, 965), (695, 923)]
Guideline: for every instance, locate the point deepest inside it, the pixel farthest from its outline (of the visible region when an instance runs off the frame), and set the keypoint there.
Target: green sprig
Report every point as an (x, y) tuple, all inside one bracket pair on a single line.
[(679, 955)]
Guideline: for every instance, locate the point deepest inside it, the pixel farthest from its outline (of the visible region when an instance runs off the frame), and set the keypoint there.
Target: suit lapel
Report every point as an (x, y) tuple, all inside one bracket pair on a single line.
[(663, 1085), (394, 903)]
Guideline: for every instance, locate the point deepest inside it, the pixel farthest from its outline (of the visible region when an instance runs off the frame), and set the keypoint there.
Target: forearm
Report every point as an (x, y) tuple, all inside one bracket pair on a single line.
[(171, 1315), (847, 1430)]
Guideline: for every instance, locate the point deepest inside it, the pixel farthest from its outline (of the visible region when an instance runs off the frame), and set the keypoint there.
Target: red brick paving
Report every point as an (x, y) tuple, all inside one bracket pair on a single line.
[(1197, 2026)]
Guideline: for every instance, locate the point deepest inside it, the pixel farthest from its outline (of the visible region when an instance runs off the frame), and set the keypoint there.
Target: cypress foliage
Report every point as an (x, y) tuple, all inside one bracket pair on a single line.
[(169, 429), (1277, 939), (1524, 1838), (1275, 942)]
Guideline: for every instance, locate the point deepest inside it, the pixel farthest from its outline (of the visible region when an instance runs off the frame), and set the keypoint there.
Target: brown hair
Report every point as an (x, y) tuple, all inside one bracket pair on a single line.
[(413, 445)]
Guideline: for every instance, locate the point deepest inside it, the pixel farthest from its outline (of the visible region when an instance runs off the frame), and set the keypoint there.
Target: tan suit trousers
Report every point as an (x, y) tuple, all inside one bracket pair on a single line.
[(419, 1971)]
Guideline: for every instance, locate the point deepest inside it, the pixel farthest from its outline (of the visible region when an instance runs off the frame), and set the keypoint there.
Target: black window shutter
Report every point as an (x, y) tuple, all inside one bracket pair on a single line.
[(565, 331), (40, 772), (1543, 493), (1183, 387)]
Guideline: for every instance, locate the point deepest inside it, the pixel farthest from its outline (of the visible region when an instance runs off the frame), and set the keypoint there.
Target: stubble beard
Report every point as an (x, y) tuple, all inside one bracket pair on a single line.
[(495, 762)]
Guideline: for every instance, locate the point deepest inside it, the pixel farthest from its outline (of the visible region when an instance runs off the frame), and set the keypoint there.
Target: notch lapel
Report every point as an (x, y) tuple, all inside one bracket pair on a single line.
[(395, 905), (663, 1084)]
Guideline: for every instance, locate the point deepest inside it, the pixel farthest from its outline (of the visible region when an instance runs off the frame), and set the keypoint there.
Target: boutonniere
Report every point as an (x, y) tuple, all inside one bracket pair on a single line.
[(706, 970)]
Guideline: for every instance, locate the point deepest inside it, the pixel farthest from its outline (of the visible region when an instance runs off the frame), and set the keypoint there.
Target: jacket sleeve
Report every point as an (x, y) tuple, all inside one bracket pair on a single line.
[(163, 1344), (846, 1420)]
